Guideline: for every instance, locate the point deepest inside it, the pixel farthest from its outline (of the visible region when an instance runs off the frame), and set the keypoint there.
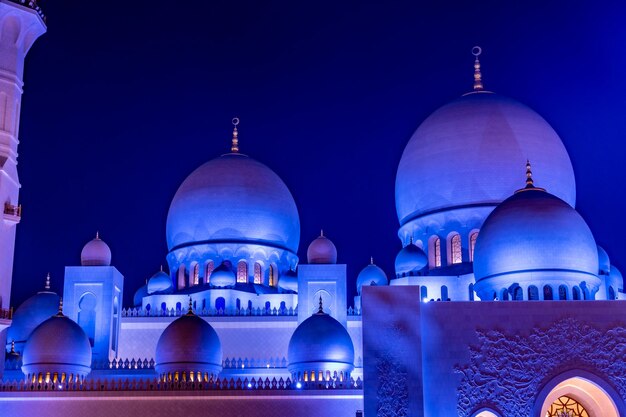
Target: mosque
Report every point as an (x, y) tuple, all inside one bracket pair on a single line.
[(501, 302)]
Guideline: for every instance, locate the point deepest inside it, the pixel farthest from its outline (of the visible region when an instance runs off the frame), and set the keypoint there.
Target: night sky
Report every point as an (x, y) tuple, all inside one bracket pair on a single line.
[(124, 99)]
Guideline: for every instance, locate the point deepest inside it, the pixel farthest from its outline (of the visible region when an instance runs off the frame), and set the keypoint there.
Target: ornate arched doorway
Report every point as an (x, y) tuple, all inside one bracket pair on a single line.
[(578, 397)]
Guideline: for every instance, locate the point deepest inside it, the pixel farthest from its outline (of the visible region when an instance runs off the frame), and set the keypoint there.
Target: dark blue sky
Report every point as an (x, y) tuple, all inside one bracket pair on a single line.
[(123, 99)]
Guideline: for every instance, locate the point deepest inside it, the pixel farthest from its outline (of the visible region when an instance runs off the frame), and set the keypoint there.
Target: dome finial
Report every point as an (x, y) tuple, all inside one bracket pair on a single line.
[(190, 310), (235, 141), (12, 347), (478, 78), (60, 312), (529, 176), (47, 286), (530, 184), (371, 260), (320, 310), (97, 234), (161, 267), (410, 240), (322, 232)]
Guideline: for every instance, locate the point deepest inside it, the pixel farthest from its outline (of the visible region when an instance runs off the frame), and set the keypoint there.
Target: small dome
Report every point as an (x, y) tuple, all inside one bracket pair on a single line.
[(223, 276), (96, 253), (604, 264), (30, 314), (534, 237), (58, 345), (160, 282), (320, 343), (189, 344), (410, 260), (139, 294), (288, 281), (370, 275), (322, 251)]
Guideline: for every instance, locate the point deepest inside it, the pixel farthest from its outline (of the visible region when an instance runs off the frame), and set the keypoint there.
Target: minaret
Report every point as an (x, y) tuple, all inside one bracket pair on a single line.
[(20, 25)]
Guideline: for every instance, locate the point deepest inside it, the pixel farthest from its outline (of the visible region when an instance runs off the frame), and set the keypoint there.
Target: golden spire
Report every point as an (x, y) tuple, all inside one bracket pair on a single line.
[(322, 232), (190, 310), (320, 310), (530, 184), (371, 260), (60, 312), (478, 78), (12, 347), (529, 176), (97, 235), (47, 286), (234, 147)]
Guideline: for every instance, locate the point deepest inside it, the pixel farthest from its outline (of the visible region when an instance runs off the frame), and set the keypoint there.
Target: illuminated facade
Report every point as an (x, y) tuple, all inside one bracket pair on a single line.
[(237, 323)]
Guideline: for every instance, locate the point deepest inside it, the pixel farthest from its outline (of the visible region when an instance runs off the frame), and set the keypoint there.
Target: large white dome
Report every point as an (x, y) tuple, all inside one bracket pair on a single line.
[(468, 153), (235, 199)]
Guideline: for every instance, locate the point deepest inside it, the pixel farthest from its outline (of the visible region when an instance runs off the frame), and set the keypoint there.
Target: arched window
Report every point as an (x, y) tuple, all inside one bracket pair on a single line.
[(471, 291), (472, 245), (268, 307), (238, 304), (258, 277), (220, 304), (533, 293), (504, 294), (456, 252), (87, 315), (163, 306), (547, 292), (181, 277), (272, 276), (611, 293), (562, 292), (196, 274), (179, 306), (586, 294), (210, 266), (424, 293), (242, 272), (575, 293), (518, 294), (435, 252), (116, 307), (444, 293)]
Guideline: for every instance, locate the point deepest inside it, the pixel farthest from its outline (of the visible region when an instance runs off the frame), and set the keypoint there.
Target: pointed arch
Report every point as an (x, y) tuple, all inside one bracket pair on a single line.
[(258, 273), (472, 244), (455, 251), (208, 270), (434, 251), (242, 272), (181, 277)]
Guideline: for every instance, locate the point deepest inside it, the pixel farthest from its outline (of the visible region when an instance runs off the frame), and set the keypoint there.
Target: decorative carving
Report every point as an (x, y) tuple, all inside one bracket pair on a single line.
[(393, 388), (507, 371)]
